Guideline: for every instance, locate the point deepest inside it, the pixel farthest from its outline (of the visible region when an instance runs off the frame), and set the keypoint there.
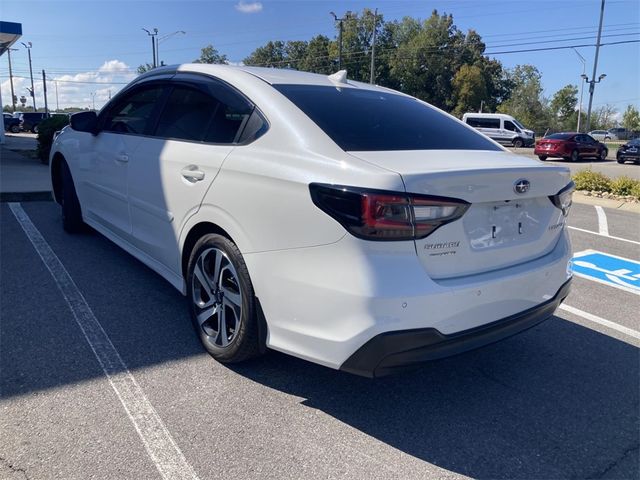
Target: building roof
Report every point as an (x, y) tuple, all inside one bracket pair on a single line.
[(10, 32)]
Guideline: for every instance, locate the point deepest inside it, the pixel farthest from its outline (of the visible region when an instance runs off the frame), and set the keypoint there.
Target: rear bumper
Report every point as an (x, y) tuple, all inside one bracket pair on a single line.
[(389, 352)]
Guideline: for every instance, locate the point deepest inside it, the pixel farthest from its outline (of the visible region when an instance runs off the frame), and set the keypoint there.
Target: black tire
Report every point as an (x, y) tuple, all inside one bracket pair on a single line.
[(518, 143), (242, 342), (604, 154), (542, 157), (71, 211), (15, 129), (575, 156), (34, 129)]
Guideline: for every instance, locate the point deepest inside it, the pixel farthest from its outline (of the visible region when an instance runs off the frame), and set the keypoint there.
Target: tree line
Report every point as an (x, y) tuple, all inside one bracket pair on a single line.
[(435, 61)]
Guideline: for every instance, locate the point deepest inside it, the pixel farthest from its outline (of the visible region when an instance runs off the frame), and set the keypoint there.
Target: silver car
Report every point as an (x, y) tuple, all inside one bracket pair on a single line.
[(601, 135)]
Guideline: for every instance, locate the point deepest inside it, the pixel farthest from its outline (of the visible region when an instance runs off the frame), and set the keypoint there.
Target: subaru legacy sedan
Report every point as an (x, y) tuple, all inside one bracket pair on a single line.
[(343, 223)]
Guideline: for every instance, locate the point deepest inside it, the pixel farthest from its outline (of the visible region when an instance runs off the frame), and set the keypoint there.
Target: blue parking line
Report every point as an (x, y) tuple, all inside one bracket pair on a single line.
[(617, 272)]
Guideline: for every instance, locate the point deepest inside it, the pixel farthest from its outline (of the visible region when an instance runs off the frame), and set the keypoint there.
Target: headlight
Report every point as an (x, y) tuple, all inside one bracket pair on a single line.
[(563, 199)]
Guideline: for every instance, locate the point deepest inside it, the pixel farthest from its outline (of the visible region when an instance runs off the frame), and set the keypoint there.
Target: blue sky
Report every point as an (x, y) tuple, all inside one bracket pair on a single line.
[(102, 41)]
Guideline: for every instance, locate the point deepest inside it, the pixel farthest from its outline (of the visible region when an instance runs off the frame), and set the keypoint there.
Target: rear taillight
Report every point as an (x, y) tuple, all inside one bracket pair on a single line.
[(564, 198), (381, 215)]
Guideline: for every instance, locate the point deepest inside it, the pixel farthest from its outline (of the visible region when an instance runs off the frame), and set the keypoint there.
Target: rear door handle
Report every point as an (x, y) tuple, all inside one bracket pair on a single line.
[(192, 174), (122, 158)]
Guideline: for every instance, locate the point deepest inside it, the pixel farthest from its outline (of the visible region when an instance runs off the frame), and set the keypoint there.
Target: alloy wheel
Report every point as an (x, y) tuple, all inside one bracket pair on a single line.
[(217, 296)]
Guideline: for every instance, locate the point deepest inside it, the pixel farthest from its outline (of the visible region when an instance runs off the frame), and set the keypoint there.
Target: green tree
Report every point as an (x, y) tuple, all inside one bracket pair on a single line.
[(469, 89), (144, 68), (526, 102), (603, 117), (273, 54), (209, 54), (563, 108), (631, 118)]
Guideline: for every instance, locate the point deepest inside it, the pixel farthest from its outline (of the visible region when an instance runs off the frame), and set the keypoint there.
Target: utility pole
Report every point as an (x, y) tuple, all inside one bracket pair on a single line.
[(592, 83), (33, 92), (373, 48), (339, 20), (584, 66), (93, 100), (13, 95), (57, 104), (44, 89), (153, 44), (481, 106)]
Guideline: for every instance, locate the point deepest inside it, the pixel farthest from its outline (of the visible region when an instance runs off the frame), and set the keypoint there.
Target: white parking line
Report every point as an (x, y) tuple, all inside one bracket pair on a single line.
[(601, 321), (157, 440), (601, 235), (603, 227)]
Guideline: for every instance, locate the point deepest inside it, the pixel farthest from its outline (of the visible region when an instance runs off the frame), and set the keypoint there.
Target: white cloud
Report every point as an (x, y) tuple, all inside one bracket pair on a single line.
[(74, 90), (113, 66), (252, 7)]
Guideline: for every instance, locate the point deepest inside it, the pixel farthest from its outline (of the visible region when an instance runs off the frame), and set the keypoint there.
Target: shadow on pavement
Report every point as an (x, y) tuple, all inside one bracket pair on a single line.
[(558, 401)]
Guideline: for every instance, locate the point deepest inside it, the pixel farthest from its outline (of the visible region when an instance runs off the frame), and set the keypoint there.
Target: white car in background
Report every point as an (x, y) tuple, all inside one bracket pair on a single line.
[(340, 222), (600, 135)]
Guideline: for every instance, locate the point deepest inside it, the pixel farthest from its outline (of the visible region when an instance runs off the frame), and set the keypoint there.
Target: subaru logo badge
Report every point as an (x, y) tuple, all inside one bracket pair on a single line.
[(521, 186)]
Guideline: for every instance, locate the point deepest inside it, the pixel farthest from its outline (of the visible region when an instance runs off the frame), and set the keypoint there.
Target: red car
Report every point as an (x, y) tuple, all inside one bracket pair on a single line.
[(570, 146)]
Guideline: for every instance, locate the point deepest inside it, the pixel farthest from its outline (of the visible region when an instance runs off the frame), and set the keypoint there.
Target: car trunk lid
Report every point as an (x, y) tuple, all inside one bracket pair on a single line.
[(501, 227)]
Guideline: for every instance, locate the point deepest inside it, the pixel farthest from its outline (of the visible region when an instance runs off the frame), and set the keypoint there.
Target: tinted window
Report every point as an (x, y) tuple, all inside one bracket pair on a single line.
[(510, 126), (560, 136), (478, 122), (361, 120), (187, 115), (133, 112)]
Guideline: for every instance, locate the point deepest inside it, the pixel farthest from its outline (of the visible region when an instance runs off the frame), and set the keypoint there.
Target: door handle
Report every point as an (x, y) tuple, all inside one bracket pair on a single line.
[(122, 158), (192, 174)]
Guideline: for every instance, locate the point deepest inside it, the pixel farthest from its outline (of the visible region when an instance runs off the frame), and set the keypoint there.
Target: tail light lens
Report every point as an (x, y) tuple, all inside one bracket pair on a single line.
[(564, 198), (381, 215)]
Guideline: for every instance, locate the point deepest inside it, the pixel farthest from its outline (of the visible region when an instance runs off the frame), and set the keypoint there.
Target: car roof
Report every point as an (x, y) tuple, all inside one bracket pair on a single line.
[(272, 76), (488, 115)]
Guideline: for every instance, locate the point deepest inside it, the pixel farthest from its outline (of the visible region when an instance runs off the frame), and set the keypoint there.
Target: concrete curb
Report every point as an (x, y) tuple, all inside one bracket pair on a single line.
[(25, 197), (607, 203)]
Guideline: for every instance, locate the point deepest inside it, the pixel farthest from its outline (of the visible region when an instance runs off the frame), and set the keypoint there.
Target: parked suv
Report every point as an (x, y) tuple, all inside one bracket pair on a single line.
[(500, 127), (619, 133), (29, 121), (337, 221), (11, 124)]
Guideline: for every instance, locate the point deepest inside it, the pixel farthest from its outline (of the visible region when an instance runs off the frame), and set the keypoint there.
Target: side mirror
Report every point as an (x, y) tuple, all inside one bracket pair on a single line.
[(85, 122)]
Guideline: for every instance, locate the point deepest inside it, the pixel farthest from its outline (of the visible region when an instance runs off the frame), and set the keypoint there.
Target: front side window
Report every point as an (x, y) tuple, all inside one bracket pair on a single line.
[(510, 126), (368, 120), (133, 112)]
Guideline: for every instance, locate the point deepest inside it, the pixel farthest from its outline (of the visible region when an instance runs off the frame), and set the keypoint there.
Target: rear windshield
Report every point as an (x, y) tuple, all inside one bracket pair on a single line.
[(560, 136), (366, 120)]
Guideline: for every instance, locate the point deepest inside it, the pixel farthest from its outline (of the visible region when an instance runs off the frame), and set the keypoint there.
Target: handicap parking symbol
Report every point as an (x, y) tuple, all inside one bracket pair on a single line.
[(608, 269)]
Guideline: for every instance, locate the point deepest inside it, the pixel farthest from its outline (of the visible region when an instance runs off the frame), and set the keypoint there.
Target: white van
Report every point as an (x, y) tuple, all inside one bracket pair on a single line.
[(501, 127)]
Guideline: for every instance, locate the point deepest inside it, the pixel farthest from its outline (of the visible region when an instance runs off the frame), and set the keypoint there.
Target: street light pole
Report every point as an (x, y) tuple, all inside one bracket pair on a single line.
[(339, 20), (33, 92), (13, 95), (584, 66), (162, 39), (592, 83), (153, 44)]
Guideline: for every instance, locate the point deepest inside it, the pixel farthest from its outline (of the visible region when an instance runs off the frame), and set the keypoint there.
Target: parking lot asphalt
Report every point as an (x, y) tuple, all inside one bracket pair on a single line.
[(558, 401)]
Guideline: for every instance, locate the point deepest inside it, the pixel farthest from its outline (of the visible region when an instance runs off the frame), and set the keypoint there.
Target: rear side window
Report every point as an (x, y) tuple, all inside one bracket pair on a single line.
[(367, 120), (479, 122), (132, 113), (187, 115)]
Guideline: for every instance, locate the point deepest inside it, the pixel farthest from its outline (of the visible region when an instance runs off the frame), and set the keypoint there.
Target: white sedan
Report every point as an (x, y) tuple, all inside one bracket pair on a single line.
[(340, 222)]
